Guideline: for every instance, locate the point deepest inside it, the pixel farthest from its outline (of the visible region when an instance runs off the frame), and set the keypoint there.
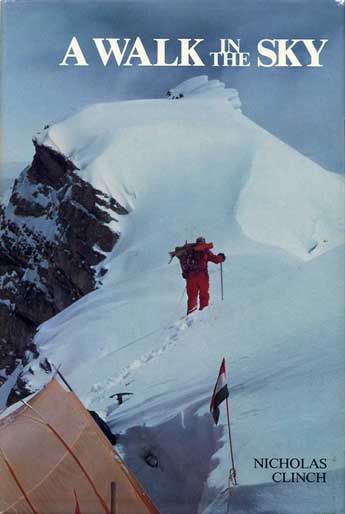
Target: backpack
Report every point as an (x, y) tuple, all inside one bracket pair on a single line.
[(189, 261), (188, 256)]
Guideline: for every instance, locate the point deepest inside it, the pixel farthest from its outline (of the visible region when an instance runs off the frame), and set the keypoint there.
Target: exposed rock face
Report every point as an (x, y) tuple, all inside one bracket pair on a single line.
[(55, 231)]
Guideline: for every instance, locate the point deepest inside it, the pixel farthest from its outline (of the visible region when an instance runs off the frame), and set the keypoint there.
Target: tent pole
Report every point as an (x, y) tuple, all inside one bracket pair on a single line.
[(62, 378)]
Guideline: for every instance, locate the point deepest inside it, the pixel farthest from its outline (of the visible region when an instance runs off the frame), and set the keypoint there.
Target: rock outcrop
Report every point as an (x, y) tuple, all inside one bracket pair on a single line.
[(55, 232)]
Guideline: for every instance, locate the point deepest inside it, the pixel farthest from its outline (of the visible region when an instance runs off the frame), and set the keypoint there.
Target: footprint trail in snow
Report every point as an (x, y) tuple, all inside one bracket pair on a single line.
[(102, 391)]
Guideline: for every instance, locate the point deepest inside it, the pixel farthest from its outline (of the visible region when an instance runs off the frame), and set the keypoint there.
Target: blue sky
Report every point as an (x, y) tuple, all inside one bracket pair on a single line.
[(303, 107)]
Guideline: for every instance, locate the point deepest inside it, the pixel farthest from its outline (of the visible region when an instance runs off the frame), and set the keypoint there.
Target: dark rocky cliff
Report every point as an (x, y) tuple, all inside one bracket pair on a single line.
[(54, 235)]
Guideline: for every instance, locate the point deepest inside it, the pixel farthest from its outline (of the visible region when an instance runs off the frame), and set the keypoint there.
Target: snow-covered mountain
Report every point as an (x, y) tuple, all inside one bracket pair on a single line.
[(54, 230), (181, 169)]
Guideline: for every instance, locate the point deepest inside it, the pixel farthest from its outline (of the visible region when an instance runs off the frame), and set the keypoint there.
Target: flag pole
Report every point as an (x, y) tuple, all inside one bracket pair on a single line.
[(233, 469)]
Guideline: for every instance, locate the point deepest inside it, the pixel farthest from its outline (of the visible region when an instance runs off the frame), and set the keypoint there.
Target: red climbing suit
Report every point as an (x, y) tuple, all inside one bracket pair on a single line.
[(198, 281)]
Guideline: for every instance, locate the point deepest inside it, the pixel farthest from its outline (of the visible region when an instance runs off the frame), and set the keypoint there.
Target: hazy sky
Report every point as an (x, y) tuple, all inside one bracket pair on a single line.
[(303, 107)]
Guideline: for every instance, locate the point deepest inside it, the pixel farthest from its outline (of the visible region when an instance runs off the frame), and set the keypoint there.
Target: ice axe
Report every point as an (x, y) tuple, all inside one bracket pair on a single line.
[(119, 397)]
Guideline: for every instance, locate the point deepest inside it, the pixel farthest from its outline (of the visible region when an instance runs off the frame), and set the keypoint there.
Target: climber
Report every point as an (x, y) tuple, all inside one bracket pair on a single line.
[(194, 258)]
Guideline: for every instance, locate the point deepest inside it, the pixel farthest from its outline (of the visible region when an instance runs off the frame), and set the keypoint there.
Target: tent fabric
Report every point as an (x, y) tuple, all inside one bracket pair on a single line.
[(55, 448)]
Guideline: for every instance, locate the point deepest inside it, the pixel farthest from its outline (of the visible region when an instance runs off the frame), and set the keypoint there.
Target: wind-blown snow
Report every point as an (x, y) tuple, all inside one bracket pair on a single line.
[(202, 86), (194, 167)]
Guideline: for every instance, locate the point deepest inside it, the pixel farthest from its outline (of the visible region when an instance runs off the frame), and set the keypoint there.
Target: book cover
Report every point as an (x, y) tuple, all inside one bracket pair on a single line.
[(172, 257)]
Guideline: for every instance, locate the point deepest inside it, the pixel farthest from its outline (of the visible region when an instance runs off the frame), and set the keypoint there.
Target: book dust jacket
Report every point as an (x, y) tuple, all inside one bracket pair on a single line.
[(172, 257)]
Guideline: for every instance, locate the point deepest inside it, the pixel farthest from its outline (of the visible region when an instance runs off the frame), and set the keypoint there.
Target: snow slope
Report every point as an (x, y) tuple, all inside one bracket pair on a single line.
[(184, 168)]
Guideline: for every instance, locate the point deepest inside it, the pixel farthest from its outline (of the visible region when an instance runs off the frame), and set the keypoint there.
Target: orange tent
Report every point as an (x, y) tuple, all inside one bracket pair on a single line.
[(53, 450)]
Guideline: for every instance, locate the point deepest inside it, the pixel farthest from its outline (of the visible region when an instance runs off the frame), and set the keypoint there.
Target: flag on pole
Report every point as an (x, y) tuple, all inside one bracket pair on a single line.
[(77, 508), (220, 392)]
